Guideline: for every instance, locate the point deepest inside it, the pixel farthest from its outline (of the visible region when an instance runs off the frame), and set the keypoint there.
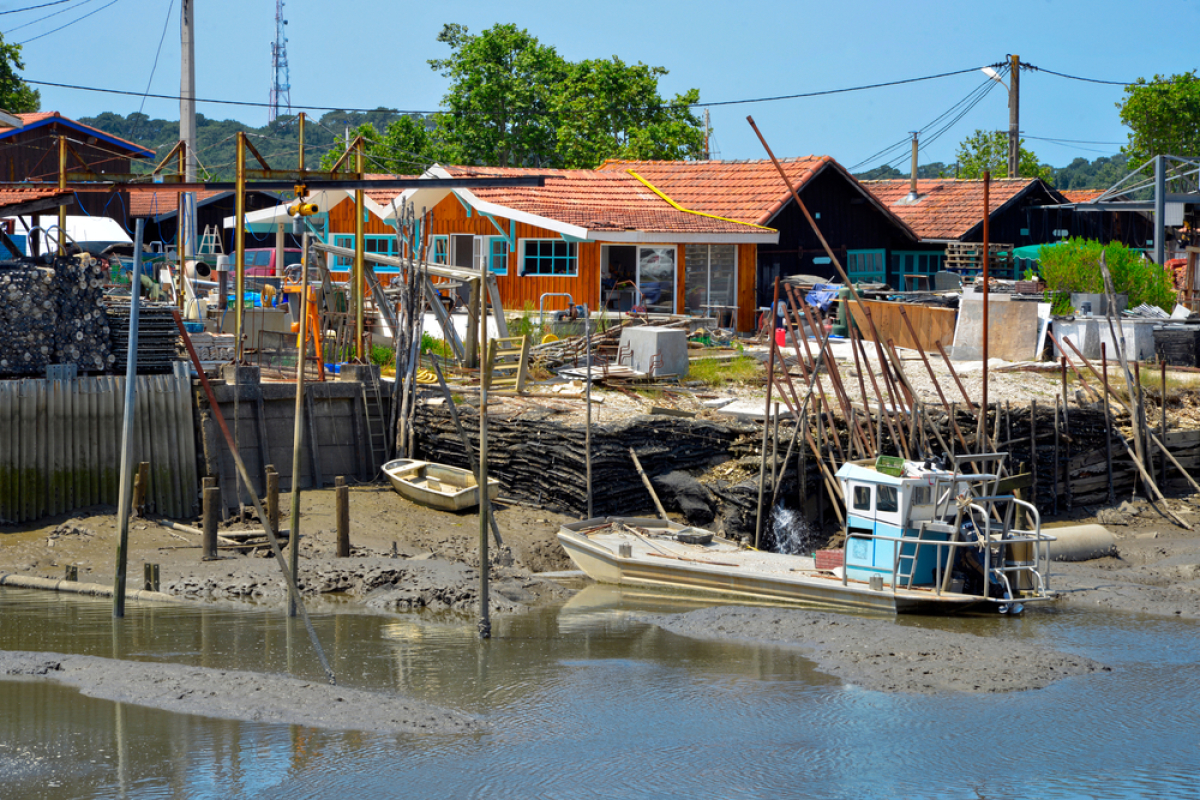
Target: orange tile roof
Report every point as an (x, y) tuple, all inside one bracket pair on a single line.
[(748, 191), (384, 196), (37, 118), (599, 201), (155, 204), (16, 195), (948, 208), (1081, 195)]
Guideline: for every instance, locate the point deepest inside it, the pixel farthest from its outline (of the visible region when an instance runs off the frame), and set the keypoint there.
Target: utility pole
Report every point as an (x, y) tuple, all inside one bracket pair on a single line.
[(707, 151), (186, 216), (1014, 118)]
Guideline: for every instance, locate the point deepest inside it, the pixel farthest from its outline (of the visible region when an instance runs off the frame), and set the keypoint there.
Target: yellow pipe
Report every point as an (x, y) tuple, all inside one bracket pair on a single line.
[(678, 207), (239, 244)]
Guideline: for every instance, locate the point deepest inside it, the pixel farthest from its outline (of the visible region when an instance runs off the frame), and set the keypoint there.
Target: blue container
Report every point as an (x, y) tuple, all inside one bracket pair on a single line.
[(194, 327)]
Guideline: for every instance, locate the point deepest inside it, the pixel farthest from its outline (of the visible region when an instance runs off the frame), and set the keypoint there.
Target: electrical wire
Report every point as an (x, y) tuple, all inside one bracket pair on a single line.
[(48, 16), (72, 22), (1066, 141), (157, 53), (31, 8), (253, 104)]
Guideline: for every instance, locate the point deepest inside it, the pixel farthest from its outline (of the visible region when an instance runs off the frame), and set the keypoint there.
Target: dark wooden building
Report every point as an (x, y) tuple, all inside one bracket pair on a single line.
[(30, 153), (161, 212)]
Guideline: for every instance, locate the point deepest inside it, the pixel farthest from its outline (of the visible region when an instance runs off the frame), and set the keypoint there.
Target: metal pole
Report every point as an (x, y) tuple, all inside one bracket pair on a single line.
[(298, 429), (1160, 210), (62, 184), (981, 438), (587, 400), (239, 246), (485, 622), (123, 505), (185, 217), (1014, 118), (359, 256)]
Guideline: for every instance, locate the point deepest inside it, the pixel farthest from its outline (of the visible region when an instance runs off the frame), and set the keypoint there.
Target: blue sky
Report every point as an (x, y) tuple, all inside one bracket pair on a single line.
[(369, 53)]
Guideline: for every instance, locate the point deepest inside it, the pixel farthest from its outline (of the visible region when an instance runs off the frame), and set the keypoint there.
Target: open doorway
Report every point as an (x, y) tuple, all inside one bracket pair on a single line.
[(638, 277)]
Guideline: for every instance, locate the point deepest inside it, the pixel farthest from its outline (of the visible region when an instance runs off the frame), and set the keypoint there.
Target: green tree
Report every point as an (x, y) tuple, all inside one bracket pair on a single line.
[(608, 109), (1163, 116), (407, 146), (498, 105), (16, 96), (988, 150), (1073, 266)]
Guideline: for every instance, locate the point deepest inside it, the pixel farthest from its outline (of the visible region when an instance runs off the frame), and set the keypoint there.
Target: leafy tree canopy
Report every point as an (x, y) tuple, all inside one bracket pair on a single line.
[(16, 96), (988, 150), (513, 101), (934, 169), (1163, 116), (1099, 174), (1074, 266)]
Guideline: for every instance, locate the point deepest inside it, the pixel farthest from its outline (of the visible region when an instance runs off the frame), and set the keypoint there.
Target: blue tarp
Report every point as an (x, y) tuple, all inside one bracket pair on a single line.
[(822, 295)]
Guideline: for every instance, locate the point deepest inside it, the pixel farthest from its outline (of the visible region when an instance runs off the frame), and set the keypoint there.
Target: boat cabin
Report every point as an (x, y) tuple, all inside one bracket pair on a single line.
[(883, 509)]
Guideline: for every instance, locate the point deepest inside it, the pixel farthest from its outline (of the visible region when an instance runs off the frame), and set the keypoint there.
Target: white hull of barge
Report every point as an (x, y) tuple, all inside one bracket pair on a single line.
[(723, 568)]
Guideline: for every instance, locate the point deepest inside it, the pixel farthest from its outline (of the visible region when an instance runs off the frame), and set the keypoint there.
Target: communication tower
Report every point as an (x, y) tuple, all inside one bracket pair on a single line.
[(281, 87)]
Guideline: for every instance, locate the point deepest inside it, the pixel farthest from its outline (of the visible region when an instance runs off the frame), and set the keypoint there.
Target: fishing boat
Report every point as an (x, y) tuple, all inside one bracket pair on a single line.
[(920, 537), (437, 485)]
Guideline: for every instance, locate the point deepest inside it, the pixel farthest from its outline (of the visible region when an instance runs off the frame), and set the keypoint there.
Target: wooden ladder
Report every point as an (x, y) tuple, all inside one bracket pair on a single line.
[(507, 364)]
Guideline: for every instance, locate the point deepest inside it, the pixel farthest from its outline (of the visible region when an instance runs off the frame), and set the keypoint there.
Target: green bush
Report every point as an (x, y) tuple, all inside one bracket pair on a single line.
[(1074, 266)]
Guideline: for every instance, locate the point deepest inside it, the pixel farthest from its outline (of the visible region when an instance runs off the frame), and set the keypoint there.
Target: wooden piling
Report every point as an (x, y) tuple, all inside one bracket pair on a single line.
[(1057, 460), (1162, 451), (1033, 450), (141, 483), (150, 577), (342, 504), (273, 496), (211, 506)]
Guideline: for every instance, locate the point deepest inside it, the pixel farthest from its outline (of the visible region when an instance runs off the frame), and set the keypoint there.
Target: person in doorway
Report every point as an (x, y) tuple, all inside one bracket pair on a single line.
[(780, 314)]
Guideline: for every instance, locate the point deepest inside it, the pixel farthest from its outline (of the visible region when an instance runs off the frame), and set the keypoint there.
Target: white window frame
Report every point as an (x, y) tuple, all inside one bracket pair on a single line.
[(674, 273), (708, 272)]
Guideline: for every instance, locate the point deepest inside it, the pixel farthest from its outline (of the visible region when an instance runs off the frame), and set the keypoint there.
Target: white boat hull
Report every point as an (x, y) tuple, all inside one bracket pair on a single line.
[(722, 568), (437, 485)]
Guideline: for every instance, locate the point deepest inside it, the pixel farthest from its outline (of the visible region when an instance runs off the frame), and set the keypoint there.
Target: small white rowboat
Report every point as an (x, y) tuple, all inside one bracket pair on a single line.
[(437, 485)]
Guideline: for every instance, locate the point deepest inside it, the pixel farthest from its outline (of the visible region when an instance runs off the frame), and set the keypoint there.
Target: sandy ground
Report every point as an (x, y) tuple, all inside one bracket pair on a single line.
[(231, 694)]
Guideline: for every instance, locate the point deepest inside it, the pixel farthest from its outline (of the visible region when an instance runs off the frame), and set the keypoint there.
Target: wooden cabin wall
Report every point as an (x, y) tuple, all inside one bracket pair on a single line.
[(747, 281), (341, 220), (33, 156)]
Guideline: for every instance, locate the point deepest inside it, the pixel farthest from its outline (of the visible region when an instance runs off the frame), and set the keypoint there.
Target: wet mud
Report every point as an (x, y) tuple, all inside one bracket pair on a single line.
[(237, 695)]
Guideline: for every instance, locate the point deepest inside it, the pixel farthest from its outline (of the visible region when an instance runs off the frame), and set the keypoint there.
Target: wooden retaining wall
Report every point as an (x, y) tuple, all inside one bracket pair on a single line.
[(60, 444)]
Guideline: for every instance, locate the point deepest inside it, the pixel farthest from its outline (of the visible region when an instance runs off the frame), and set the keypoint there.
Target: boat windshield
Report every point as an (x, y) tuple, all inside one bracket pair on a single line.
[(885, 499)]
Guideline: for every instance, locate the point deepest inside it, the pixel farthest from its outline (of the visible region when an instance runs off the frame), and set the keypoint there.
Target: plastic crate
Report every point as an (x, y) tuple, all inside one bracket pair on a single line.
[(890, 465)]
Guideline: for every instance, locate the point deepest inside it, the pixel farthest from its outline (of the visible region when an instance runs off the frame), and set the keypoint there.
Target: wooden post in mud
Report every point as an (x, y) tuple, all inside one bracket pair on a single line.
[(141, 480), (1033, 489), (272, 496), (1066, 440), (342, 504), (1112, 497), (212, 513), (1162, 451), (485, 620)]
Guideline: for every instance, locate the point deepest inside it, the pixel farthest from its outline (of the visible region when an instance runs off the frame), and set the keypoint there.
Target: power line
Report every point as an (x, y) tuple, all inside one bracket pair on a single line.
[(72, 22), (48, 16), (252, 104), (1067, 141), (31, 8), (157, 53), (1076, 77)]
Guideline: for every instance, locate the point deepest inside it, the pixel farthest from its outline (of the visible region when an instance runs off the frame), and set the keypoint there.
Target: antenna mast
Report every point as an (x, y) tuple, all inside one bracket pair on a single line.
[(281, 87)]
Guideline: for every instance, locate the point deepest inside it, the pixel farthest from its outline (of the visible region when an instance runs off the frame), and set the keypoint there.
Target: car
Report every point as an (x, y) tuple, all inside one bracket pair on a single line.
[(260, 261)]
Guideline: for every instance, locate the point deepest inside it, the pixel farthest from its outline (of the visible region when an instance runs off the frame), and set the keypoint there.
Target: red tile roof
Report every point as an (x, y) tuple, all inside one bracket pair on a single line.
[(16, 195), (1082, 195), (946, 208), (37, 118), (384, 196), (748, 191), (599, 201)]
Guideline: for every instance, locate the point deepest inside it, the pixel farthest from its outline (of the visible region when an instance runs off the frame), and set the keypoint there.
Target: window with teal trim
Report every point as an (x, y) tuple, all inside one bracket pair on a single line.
[(439, 249), (384, 245), (549, 257), (865, 266), (925, 263), (498, 255)]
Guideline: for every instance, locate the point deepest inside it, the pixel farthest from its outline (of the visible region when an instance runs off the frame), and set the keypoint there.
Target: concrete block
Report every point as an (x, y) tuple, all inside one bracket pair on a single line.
[(648, 341), (363, 373), (752, 410), (1088, 333), (1099, 303), (1012, 328), (245, 375)]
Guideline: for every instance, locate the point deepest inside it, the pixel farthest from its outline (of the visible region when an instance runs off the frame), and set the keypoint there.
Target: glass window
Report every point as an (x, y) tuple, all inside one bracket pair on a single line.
[(711, 277), (656, 278), (498, 255), (549, 257), (886, 499), (343, 241), (440, 250), (862, 498)]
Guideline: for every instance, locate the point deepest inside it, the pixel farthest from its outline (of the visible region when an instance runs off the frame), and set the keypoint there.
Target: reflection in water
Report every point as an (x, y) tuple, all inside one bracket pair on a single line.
[(585, 701)]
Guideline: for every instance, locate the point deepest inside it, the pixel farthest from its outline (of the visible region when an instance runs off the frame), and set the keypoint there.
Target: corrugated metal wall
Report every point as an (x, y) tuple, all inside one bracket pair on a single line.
[(60, 444)]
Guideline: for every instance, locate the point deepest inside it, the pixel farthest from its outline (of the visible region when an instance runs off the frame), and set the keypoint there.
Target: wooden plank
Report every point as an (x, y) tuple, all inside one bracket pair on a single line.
[(931, 324)]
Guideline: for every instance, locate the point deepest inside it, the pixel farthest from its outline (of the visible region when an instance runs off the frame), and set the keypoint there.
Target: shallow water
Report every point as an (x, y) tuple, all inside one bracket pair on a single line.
[(584, 702)]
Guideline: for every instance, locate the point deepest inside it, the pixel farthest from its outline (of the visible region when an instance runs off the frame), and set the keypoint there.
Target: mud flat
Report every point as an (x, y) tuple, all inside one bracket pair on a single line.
[(883, 656), (232, 694)]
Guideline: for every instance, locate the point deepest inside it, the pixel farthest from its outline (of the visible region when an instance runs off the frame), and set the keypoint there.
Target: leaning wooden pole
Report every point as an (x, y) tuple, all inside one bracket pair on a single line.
[(485, 621), (298, 429), (762, 469), (126, 485)]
